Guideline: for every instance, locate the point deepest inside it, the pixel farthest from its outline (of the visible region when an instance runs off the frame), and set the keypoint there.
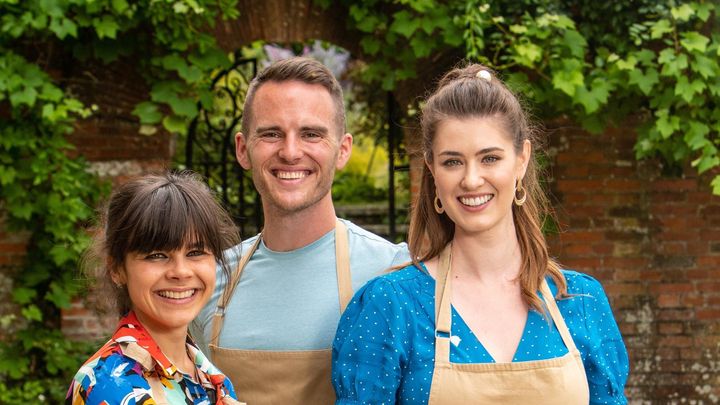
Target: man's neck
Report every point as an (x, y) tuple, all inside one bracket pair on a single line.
[(283, 232)]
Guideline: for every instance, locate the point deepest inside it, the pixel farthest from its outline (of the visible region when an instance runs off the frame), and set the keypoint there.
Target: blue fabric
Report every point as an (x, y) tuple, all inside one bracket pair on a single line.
[(384, 350), (289, 300)]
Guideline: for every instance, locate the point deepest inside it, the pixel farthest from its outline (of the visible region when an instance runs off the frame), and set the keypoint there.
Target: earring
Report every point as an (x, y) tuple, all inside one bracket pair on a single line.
[(438, 205), (520, 189)]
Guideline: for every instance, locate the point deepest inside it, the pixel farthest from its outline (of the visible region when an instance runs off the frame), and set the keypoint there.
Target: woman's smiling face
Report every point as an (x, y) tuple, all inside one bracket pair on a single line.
[(475, 167), (167, 289)]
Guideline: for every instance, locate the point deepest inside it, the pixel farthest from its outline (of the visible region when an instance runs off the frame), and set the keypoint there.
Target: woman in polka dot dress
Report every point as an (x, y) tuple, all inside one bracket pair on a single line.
[(512, 327)]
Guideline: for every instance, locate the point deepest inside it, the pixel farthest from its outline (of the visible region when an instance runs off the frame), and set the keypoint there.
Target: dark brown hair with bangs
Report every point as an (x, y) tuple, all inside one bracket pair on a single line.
[(157, 212)]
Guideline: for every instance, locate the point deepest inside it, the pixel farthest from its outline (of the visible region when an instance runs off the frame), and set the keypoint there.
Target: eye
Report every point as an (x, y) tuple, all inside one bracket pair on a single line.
[(312, 135), (490, 159), (270, 135), (156, 256), (197, 252), (451, 162)]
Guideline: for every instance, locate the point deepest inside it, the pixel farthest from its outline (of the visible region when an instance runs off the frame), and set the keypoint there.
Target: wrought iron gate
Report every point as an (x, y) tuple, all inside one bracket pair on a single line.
[(210, 145)]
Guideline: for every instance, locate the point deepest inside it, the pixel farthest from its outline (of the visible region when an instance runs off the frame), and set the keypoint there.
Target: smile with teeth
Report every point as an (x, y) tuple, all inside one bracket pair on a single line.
[(177, 295), (475, 201), (291, 175)]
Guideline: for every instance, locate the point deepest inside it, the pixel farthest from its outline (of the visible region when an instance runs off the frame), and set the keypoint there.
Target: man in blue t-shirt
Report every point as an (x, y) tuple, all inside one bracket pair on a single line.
[(270, 327)]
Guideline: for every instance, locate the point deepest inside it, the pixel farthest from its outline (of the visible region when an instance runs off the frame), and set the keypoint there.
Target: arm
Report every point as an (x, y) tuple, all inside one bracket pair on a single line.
[(370, 346), (605, 357)]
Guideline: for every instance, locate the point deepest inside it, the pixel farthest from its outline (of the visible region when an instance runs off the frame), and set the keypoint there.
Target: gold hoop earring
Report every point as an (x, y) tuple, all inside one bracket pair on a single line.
[(520, 189), (438, 205)]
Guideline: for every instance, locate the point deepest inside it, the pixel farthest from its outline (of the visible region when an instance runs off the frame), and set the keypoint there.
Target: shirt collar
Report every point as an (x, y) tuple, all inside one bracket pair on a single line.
[(136, 343)]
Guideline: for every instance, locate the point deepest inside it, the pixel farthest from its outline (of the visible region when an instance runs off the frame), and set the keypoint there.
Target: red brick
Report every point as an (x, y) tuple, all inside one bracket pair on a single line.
[(702, 274), (670, 328), (580, 185), (571, 159), (582, 236), (699, 248), (624, 288), (627, 275), (693, 300), (709, 287), (708, 261), (626, 262), (582, 249), (675, 341), (622, 185), (674, 185), (682, 235), (710, 313), (13, 247), (672, 288), (713, 300), (668, 300)]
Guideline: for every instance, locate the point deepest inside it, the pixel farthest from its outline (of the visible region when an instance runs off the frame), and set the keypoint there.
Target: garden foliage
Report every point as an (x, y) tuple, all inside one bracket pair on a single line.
[(595, 62)]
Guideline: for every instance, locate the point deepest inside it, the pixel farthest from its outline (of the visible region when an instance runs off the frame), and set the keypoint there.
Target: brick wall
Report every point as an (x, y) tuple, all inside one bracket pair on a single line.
[(654, 243)]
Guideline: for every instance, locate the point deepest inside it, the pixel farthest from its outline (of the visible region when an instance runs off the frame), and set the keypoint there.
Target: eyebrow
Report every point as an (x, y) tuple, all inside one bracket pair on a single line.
[(321, 129), (265, 129), (480, 152)]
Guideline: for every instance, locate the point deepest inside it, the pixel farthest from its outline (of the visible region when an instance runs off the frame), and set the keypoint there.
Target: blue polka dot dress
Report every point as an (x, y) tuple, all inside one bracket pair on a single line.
[(384, 349)]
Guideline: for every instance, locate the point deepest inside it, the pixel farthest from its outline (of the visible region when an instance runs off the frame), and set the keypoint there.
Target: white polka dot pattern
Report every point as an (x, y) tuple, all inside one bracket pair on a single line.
[(384, 349)]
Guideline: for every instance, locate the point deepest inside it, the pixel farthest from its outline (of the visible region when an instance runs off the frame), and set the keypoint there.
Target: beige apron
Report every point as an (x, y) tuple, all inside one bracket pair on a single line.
[(560, 380), (281, 377)]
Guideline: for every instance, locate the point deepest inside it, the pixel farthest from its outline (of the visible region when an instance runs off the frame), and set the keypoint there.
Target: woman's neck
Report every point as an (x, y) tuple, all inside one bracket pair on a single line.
[(486, 256), (172, 343)]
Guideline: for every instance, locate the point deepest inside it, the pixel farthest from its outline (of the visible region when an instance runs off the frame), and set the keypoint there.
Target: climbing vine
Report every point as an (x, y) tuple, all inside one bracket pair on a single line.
[(596, 62), (46, 190)]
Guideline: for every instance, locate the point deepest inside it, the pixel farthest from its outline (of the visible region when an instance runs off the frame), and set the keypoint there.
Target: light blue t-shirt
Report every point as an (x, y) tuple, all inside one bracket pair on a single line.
[(384, 351), (289, 300)]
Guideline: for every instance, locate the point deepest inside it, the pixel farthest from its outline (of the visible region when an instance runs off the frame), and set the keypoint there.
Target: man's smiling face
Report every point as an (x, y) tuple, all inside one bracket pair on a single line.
[(293, 146)]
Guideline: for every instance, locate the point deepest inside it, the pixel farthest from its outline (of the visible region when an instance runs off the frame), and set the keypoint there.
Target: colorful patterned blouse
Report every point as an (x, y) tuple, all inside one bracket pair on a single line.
[(130, 369)]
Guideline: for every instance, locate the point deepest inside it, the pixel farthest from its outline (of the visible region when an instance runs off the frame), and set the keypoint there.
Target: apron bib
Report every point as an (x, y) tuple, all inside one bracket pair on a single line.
[(560, 380), (281, 377)]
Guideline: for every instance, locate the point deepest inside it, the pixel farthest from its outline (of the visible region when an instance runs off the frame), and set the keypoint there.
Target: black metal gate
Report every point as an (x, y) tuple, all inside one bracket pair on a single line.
[(210, 145)]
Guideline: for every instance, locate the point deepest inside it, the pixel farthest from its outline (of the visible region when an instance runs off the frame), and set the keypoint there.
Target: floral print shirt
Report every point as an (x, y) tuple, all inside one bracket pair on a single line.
[(130, 369)]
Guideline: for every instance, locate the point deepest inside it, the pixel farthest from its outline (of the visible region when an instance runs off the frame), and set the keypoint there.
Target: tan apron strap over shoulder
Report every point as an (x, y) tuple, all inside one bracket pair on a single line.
[(342, 264), (556, 316), (442, 308), (219, 315)]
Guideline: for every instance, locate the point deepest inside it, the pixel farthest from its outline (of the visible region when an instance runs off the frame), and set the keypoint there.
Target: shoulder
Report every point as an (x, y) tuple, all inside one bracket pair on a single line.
[(583, 284), (408, 280), (368, 237), (99, 374), (366, 240)]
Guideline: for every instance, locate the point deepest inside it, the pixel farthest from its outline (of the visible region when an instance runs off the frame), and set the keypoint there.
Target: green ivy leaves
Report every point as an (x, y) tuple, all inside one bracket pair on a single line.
[(669, 68)]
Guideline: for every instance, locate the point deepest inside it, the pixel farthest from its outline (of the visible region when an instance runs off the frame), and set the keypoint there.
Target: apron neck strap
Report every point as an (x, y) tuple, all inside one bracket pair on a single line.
[(443, 313), (342, 264), (342, 269), (219, 315), (442, 308), (556, 316)]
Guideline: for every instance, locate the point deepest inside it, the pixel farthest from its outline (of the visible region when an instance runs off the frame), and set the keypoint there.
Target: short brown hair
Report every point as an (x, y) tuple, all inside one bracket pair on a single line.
[(302, 69), (156, 212), (466, 93)]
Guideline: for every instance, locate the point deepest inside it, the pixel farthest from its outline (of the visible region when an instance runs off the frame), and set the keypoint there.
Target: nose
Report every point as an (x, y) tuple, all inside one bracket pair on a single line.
[(473, 177), (180, 268), (291, 149)]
